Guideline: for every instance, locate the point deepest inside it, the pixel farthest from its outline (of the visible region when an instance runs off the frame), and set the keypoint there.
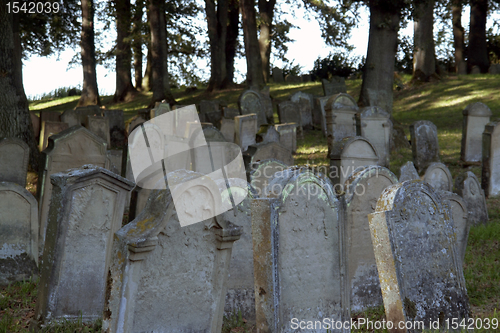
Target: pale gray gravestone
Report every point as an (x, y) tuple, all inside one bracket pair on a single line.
[(116, 127), (14, 158), (468, 187), (298, 96), (347, 155), (319, 112), (300, 260), (408, 172), (264, 151), (250, 102), (490, 175), (341, 117), (168, 278), (100, 127), (50, 128), (159, 109), (227, 129), (439, 177), (278, 75), (262, 172), (18, 234), (268, 133), (230, 113), (288, 135), (420, 273), (71, 117), (245, 129), (335, 86), (363, 188), (376, 126), (424, 144), (289, 112), (72, 148), (85, 212), (476, 116), (115, 160)]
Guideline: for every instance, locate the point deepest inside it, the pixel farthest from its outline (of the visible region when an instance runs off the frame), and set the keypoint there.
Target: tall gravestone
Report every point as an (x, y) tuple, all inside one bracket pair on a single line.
[(476, 116), (289, 112), (262, 173), (439, 177), (424, 144), (100, 127), (278, 75), (408, 172), (468, 187), (227, 129), (376, 126), (250, 102), (14, 158), (319, 112), (460, 216), (116, 127), (18, 233), (341, 117), (299, 254), (288, 135), (50, 128), (85, 212), (334, 86), (411, 222), (363, 188), (210, 112), (490, 174), (54, 116), (245, 129), (35, 120)]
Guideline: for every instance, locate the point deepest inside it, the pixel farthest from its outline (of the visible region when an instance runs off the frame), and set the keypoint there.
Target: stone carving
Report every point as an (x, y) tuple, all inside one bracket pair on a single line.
[(439, 177)]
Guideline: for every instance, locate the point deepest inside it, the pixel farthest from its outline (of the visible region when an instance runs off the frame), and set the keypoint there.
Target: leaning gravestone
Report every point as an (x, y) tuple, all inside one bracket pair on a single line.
[(490, 175), (262, 173), (439, 177), (424, 144), (376, 126), (410, 222), (468, 187), (14, 157), (300, 257), (476, 116), (18, 233), (347, 155), (335, 86), (85, 212), (250, 102), (363, 188), (169, 278), (341, 117), (319, 112), (50, 128), (288, 135), (245, 129), (459, 214), (100, 127), (264, 151), (408, 172)]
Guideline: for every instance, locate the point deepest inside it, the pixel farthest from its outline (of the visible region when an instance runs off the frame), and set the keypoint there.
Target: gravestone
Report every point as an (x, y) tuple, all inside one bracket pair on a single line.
[(297, 97), (18, 234), (14, 158), (335, 86), (424, 144), (53, 116), (115, 158), (268, 133), (347, 155), (292, 78), (289, 112), (262, 172), (411, 223), (320, 113), (494, 69), (264, 151), (134, 123), (459, 214), (227, 129), (288, 135), (363, 188), (408, 172), (100, 127), (250, 102), (376, 126), (476, 116), (168, 278), (305, 111), (206, 159), (245, 129), (72, 148), (78, 116), (35, 120), (159, 109), (85, 212), (475, 70), (300, 257), (230, 113), (71, 117), (468, 187), (210, 112), (306, 77), (50, 128), (341, 117), (278, 75), (116, 127), (439, 177), (490, 173)]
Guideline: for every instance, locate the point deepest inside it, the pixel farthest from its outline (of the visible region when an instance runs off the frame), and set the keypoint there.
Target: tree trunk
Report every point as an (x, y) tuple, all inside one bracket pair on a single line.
[(124, 88), (217, 16), (378, 73), (137, 43), (90, 93), (15, 120), (477, 53), (266, 10), (424, 59), (458, 37), (146, 82), (232, 39), (255, 79)]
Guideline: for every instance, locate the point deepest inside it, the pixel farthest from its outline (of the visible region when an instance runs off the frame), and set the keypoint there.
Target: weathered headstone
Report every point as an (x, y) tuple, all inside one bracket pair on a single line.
[(18, 233), (335, 86), (292, 78), (347, 155), (230, 113), (468, 187), (159, 109), (376, 126), (250, 102), (289, 112), (210, 112), (86, 210), (264, 151), (297, 97), (206, 159), (14, 158), (115, 160), (363, 188), (278, 75), (71, 117), (300, 257), (459, 214), (100, 127), (288, 135), (227, 129), (245, 129), (50, 128), (424, 144), (262, 172), (341, 119), (408, 172), (410, 222), (116, 127), (476, 116), (268, 133), (35, 120), (439, 177), (320, 113), (490, 174)]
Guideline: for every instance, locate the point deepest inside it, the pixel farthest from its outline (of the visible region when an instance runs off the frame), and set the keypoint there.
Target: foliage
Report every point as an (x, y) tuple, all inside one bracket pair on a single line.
[(235, 320), (335, 64), (404, 56), (493, 43), (57, 93)]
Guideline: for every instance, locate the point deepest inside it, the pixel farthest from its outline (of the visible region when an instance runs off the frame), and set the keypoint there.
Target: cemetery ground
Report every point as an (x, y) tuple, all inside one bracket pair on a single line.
[(440, 102)]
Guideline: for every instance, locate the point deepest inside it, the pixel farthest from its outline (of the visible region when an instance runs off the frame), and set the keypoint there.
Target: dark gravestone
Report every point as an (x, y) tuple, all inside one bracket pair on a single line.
[(424, 144), (468, 187), (490, 177), (116, 127), (14, 157), (335, 86)]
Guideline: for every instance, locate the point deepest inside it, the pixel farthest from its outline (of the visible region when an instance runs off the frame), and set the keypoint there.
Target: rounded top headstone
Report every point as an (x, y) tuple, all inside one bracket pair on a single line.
[(374, 112), (477, 109), (438, 175), (341, 101), (365, 172), (345, 147)]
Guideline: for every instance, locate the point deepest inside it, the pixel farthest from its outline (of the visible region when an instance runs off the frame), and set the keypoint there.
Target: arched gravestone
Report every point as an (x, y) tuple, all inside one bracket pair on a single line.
[(208, 159), (288, 135), (168, 278), (363, 188), (476, 116), (424, 144), (347, 155), (468, 187), (376, 126), (335, 86), (439, 177), (262, 172), (245, 129), (298, 96), (408, 172), (14, 157), (458, 211), (288, 112), (341, 120), (490, 176), (299, 253), (250, 102), (72, 148), (420, 273), (264, 151)]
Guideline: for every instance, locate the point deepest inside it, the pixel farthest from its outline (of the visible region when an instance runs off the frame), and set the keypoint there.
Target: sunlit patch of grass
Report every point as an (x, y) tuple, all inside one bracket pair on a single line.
[(43, 105)]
